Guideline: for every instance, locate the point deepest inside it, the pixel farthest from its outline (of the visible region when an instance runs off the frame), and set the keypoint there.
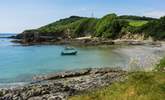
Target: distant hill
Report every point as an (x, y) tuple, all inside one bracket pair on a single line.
[(109, 26), (6, 35)]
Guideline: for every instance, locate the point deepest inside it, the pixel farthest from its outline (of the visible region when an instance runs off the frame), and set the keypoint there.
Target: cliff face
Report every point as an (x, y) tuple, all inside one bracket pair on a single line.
[(133, 36)]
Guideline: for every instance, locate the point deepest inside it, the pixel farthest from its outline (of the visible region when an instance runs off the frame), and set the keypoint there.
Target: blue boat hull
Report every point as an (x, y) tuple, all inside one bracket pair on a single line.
[(70, 53)]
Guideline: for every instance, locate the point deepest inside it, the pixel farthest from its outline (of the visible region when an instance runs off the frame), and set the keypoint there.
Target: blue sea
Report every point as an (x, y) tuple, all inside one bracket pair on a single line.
[(18, 64)]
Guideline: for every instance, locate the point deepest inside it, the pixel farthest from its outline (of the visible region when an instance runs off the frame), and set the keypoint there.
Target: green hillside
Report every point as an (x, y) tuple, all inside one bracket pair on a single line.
[(74, 26), (109, 26)]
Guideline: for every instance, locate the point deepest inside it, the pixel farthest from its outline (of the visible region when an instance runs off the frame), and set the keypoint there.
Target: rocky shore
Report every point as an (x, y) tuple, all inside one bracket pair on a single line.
[(90, 42), (85, 42), (59, 86)]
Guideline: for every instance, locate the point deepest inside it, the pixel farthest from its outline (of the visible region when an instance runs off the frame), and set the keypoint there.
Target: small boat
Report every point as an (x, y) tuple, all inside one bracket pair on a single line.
[(69, 51)]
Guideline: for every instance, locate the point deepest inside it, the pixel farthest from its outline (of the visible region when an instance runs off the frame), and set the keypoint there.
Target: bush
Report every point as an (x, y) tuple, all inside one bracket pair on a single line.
[(161, 65), (85, 27), (104, 24), (110, 26)]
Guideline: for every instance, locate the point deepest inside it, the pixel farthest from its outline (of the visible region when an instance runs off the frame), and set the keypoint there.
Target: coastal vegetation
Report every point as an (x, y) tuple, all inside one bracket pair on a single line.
[(161, 65), (155, 29), (139, 85), (109, 26)]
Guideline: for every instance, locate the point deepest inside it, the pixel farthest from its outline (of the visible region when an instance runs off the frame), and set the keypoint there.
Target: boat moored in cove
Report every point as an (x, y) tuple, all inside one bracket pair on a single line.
[(69, 51)]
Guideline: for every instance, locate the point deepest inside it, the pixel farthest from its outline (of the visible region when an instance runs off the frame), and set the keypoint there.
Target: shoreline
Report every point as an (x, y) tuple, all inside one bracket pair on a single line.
[(91, 42), (64, 84)]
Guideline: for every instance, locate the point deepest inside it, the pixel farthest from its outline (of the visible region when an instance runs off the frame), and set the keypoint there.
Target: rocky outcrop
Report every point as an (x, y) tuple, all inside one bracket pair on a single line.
[(60, 86), (34, 36), (133, 36)]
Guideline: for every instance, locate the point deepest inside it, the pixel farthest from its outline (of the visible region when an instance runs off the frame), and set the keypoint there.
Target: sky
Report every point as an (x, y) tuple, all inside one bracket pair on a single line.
[(19, 15)]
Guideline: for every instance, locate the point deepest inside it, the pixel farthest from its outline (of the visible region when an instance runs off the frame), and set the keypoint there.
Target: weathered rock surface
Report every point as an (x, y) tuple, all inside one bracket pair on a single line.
[(60, 86)]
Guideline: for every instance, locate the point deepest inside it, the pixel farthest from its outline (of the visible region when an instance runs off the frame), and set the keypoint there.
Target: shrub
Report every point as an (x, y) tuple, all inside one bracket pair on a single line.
[(161, 65)]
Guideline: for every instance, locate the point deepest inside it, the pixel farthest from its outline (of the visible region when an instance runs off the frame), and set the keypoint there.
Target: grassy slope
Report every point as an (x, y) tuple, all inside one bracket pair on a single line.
[(137, 23), (138, 86)]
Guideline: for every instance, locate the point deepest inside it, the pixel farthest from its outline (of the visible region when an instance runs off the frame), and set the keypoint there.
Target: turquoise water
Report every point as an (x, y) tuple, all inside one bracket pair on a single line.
[(19, 63)]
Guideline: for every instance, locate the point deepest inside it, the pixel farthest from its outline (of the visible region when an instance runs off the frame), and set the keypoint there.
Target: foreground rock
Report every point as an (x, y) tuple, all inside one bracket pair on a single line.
[(60, 86)]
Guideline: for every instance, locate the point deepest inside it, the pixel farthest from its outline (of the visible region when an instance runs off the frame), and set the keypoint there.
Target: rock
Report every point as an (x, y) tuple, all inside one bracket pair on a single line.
[(36, 98), (55, 98), (7, 97), (63, 75), (60, 86)]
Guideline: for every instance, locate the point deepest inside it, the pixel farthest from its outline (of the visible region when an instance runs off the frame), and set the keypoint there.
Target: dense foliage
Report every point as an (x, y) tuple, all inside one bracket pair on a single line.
[(110, 26), (155, 29), (131, 17), (85, 27)]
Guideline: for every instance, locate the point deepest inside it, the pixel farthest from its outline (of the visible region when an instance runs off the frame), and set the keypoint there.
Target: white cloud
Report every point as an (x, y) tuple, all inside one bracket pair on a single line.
[(155, 14)]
